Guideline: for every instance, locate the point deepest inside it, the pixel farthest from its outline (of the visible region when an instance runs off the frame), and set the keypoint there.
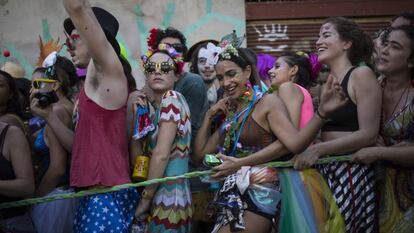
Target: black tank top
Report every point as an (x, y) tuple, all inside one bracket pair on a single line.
[(7, 173), (6, 169), (346, 117)]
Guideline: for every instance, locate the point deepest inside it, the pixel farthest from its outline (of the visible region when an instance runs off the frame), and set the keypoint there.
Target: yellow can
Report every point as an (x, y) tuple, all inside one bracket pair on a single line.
[(141, 167)]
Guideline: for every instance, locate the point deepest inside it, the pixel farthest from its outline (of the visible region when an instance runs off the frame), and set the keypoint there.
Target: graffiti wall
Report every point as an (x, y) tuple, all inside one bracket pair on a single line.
[(278, 36), (22, 21)]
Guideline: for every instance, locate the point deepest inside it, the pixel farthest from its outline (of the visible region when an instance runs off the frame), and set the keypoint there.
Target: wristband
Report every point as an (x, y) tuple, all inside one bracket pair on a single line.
[(323, 118)]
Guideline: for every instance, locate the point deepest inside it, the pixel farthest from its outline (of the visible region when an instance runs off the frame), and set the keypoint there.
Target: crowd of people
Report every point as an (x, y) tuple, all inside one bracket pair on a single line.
[(81, 124)]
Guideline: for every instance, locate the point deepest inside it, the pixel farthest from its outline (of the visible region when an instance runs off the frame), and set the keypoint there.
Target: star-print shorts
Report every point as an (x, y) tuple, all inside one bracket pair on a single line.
[(108, 212)]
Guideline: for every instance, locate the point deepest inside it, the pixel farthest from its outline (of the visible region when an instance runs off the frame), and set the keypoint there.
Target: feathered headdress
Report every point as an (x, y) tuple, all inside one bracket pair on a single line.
[(152, 38), (46, 49), (315, 65), (227, 47)]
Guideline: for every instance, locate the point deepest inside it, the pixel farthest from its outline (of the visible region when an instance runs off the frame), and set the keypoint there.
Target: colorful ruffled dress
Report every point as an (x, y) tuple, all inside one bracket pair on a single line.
[(171, 206), (396, 213)]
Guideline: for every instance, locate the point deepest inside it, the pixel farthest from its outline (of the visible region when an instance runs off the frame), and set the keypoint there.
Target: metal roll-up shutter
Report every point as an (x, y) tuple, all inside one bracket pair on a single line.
[(276, 36)]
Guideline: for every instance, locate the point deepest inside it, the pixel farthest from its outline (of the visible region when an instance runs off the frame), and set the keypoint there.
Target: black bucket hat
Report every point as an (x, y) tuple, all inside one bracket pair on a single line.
[(108, 23)]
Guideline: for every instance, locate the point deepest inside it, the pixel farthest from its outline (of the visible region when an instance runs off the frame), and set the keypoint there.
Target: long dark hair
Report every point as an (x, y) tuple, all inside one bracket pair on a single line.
[(303, 76), (13, 104), (132, 86), (242, 59), (362, 46)]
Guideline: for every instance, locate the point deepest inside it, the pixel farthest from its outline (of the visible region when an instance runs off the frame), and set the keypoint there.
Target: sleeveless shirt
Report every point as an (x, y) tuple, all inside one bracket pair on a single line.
[(100, 149)]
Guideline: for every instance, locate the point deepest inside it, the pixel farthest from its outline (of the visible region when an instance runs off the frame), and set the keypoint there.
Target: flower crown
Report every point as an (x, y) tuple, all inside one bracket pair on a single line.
[(152, 38), (177, 57), (226, 49)]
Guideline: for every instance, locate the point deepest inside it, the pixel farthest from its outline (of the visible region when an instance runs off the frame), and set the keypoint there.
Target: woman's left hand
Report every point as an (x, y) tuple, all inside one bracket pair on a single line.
[(39, 111), (306, 159), (332, 97), (143, 208), (366, 155), (229, 166)]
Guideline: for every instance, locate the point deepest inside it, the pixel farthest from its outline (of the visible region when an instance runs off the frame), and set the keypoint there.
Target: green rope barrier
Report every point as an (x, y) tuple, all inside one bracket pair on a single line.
[(32, 201)]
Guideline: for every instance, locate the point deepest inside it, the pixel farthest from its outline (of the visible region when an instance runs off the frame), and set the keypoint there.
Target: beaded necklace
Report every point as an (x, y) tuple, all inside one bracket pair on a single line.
[(233, 126)]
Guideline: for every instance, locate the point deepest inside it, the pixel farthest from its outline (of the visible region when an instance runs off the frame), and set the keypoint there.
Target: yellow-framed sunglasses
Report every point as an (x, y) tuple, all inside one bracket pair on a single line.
[(38, 83)]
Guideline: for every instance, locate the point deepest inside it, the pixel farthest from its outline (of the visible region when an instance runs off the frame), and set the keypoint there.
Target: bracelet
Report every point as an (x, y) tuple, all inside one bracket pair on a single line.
[(323, 118)]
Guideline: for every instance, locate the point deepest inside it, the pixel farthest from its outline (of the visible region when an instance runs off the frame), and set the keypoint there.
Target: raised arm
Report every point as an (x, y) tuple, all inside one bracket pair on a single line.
[(91, 33)]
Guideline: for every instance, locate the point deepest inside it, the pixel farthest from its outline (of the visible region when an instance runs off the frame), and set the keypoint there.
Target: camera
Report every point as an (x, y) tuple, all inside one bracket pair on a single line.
[(47, 98)]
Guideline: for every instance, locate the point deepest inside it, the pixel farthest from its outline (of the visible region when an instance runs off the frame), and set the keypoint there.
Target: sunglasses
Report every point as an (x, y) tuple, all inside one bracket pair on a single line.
[(163, 67), (178, 47), (41, 83), (70, 39)]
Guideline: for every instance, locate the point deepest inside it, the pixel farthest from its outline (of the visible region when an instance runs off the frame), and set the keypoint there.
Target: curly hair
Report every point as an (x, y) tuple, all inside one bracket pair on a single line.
[(408, 15), (362, 45), (13, 104)]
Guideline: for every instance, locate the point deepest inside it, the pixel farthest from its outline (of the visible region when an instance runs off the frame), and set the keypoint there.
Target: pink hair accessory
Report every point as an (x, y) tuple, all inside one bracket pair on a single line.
[(315, 65)]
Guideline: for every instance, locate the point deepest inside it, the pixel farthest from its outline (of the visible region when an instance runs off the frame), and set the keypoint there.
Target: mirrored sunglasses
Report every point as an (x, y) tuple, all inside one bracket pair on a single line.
[(163, 67)]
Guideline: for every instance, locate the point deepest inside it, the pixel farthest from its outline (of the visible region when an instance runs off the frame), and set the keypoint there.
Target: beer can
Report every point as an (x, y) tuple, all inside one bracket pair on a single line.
[(141, 167)]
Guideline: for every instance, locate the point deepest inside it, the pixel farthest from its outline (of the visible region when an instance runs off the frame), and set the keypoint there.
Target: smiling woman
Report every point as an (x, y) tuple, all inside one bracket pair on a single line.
[(347, 49), (256, 125)]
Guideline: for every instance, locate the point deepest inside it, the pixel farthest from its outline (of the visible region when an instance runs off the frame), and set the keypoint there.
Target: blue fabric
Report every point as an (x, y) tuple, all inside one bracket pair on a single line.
[(108, 212), (40, 144)]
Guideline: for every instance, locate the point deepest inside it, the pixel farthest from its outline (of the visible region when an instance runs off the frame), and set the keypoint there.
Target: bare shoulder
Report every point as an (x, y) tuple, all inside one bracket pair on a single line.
[(13, 120), (363, 78), (289, 90), (14, 135), (287, 86), (364, 74), (270, 101)]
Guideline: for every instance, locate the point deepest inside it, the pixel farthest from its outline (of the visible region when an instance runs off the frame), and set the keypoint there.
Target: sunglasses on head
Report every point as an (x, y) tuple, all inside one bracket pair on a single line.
[(163, 67), (70, 39), (178, 47), (40, 83)]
